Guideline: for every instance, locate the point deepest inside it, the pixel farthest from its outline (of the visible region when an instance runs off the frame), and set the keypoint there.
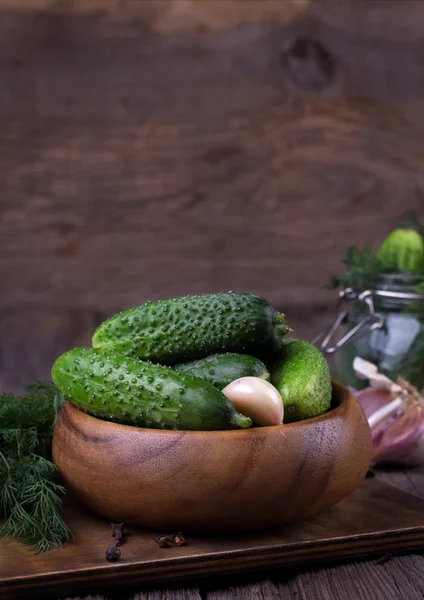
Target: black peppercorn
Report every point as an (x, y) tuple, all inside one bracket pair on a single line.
[(179, 540), (163, 542), (113, 554)]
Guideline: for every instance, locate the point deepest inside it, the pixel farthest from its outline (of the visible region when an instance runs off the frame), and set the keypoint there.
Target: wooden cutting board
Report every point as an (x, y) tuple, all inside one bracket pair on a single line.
[(375, 519)]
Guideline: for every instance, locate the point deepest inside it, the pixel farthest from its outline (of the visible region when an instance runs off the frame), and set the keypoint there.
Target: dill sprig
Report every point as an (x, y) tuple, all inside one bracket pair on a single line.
[(30, 492), (362, 269)]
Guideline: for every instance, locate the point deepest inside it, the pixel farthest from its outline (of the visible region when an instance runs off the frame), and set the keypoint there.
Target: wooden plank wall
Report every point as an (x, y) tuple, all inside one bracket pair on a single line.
[(155, 148)]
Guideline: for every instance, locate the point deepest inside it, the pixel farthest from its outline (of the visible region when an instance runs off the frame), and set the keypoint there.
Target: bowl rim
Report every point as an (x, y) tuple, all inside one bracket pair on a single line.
[(343, 394)]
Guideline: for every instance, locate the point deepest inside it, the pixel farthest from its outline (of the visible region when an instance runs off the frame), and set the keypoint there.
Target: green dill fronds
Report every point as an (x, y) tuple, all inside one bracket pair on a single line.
[(362, 269), (30, 493)]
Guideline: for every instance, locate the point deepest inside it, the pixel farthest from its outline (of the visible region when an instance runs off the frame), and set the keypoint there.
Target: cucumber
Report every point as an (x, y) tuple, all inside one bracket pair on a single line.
[(403, 250), (302, 377), (221, 369), (126, 390), (181, 329)]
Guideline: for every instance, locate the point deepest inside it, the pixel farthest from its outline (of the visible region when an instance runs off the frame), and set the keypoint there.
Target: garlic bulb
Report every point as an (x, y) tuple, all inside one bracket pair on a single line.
[(395, 413), (403, 442), (257, 399)]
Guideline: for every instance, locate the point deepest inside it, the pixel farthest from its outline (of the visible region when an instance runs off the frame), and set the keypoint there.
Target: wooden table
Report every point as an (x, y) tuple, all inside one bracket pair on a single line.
[(388, 578)]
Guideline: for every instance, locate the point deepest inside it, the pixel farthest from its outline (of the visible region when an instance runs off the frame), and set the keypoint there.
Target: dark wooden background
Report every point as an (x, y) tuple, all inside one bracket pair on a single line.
[(162, 147)]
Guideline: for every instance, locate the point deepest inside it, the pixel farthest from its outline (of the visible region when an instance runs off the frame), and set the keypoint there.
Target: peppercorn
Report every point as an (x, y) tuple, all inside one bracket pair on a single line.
[(163, 541), (179, 540), (113, 554)]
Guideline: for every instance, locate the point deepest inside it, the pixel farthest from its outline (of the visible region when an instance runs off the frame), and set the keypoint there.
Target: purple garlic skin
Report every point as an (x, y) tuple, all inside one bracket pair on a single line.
[(402, 442), (371, 400), (398, 439)]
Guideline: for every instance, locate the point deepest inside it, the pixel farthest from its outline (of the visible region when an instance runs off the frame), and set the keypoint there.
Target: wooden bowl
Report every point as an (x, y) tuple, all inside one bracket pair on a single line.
[(216, 480)]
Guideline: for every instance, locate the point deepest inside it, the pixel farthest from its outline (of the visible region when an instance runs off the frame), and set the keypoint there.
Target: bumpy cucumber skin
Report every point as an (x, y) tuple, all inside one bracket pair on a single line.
[(181, 329), (403, 250), (302, 377), (126, 390), (221, 369)]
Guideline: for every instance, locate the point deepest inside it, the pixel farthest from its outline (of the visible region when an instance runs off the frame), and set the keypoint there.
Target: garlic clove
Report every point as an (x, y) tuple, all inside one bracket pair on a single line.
[(257, 399), (365, 369)]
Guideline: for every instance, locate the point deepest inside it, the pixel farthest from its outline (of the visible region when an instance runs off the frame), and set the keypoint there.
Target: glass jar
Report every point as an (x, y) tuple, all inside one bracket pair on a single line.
[(384, 326)]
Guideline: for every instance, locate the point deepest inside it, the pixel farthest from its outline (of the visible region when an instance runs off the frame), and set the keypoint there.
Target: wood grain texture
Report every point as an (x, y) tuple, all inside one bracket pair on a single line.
[(31, 339), (363, 525), (199, 480), (156, 149)]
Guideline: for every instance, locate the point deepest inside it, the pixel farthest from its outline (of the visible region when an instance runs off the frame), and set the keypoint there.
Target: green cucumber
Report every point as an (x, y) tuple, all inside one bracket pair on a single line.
[(403, 250), (221, 369), (125, 390), (181, 329), (302, 377)]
